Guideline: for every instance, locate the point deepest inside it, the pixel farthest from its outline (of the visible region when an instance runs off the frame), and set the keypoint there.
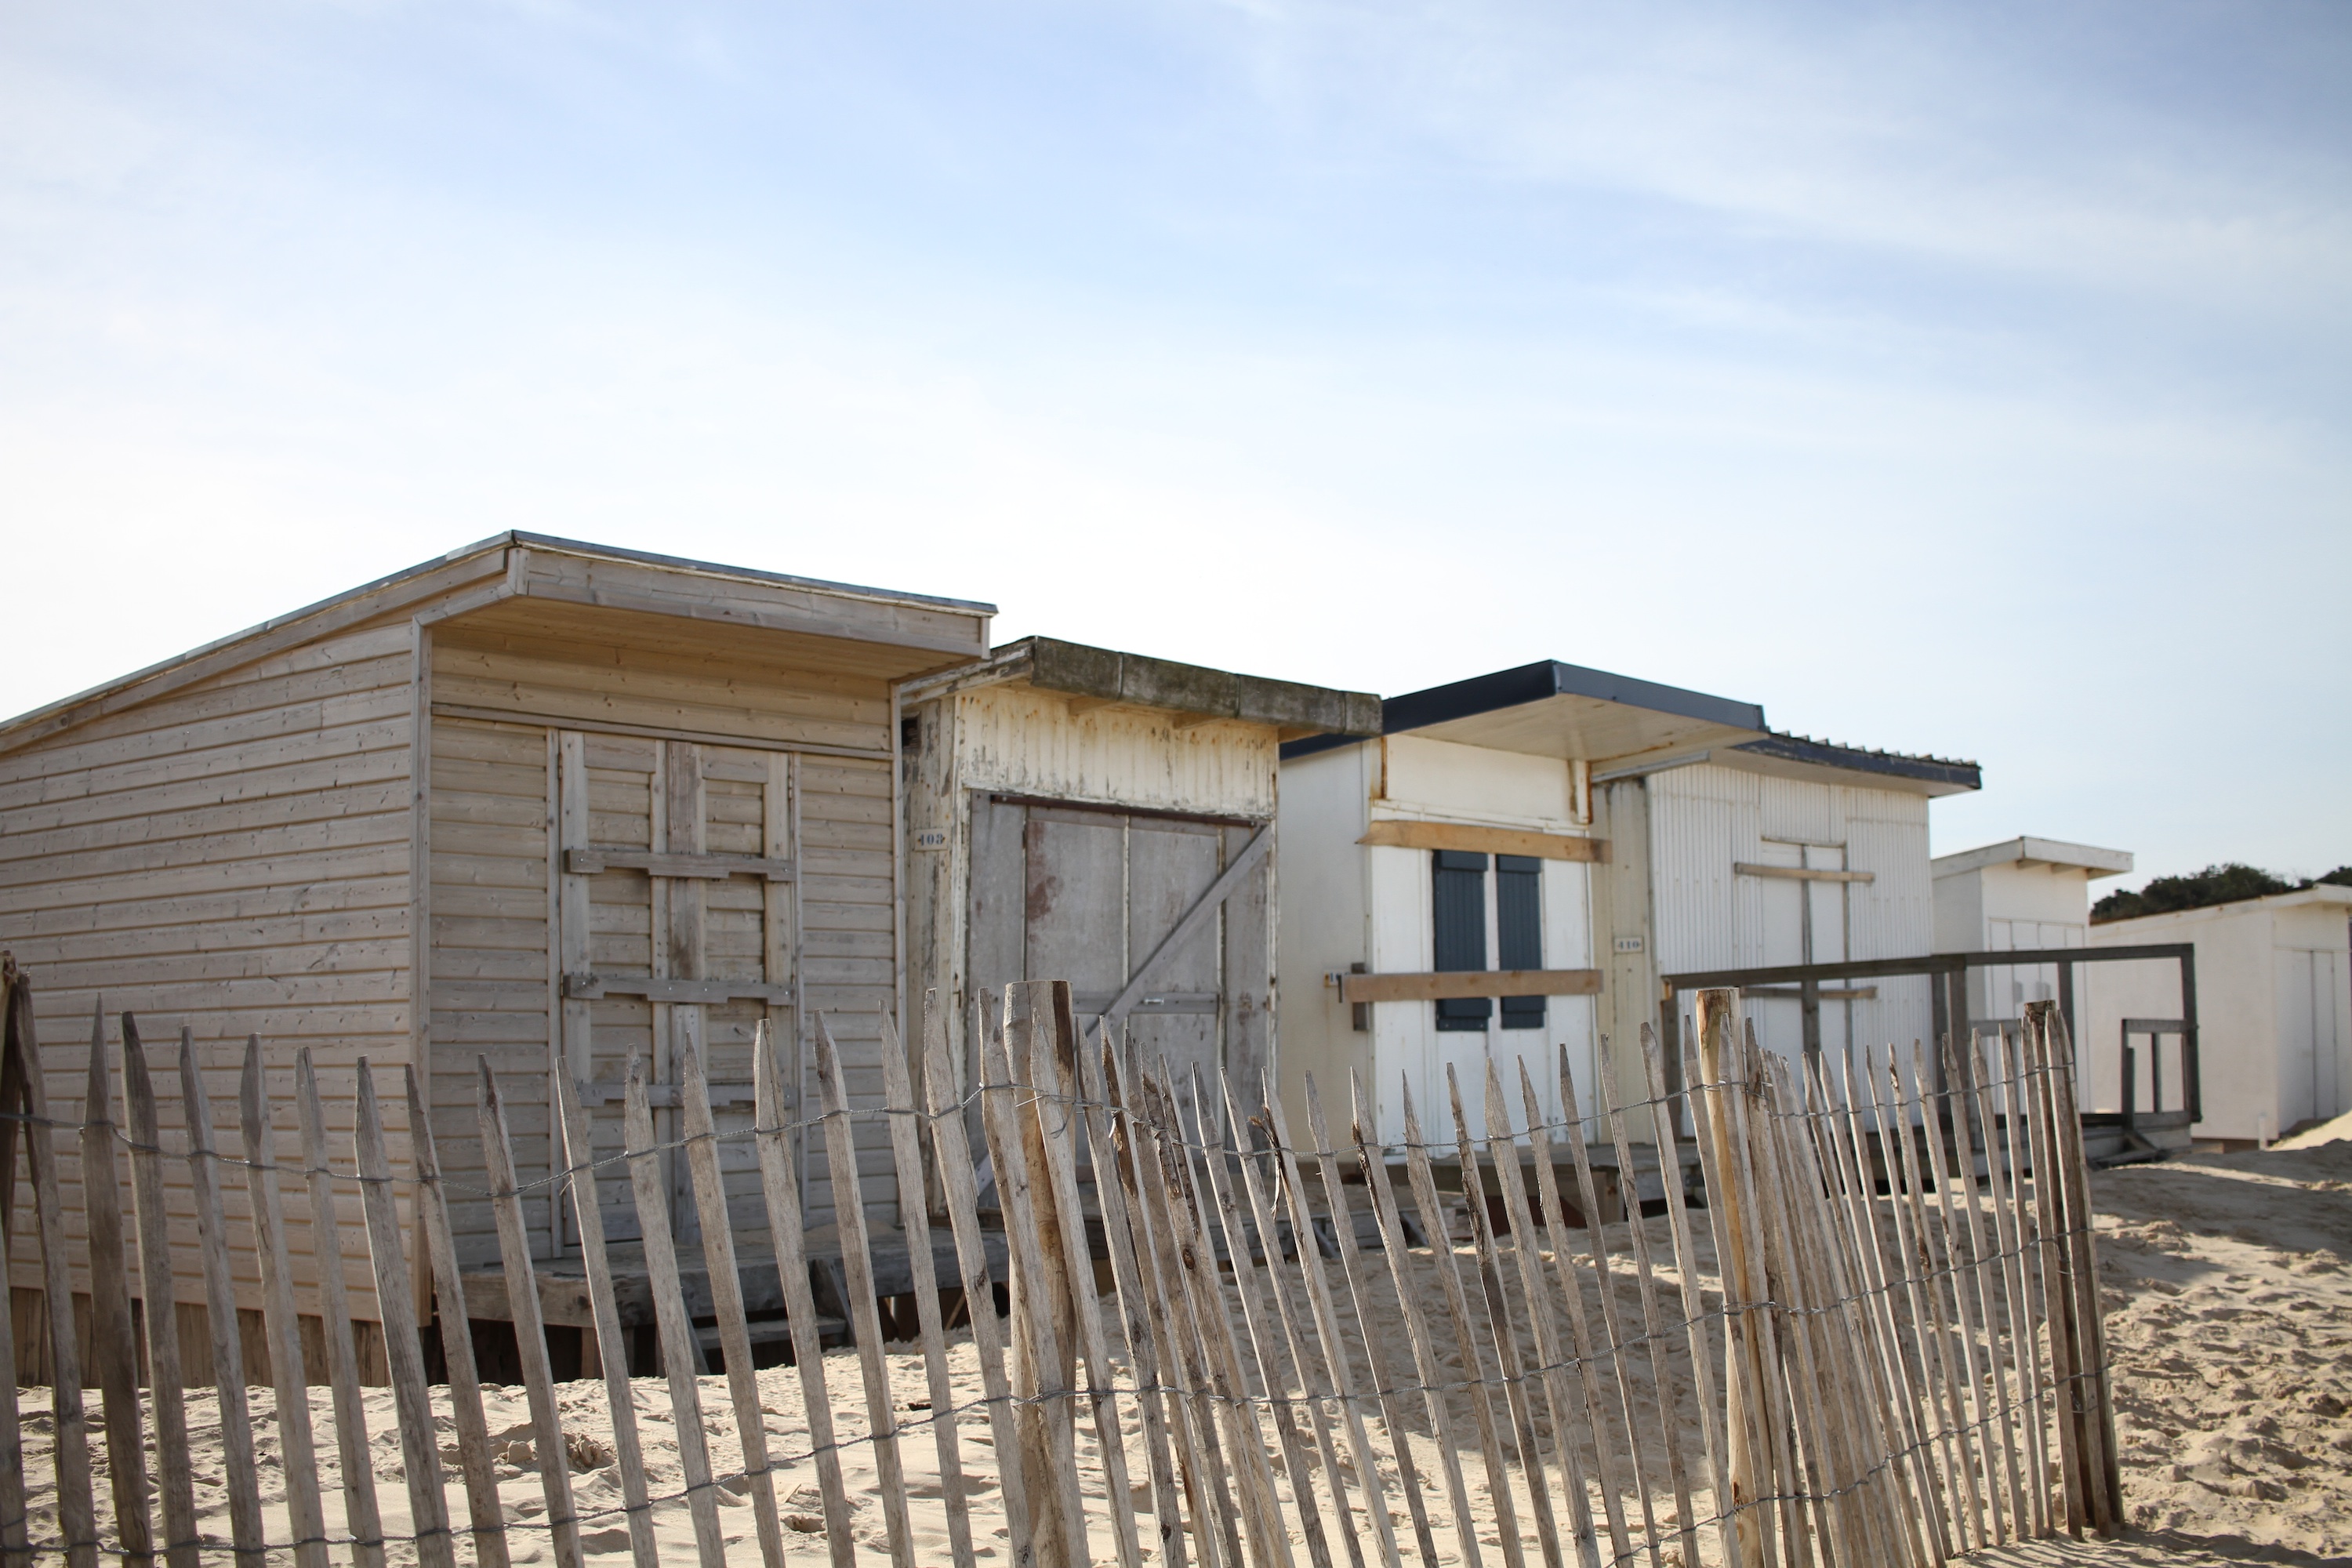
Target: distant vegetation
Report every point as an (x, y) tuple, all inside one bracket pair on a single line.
[(2224, 884)]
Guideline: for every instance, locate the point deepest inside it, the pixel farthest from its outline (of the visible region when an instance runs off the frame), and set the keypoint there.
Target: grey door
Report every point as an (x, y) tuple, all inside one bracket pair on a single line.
[(1077, 893)]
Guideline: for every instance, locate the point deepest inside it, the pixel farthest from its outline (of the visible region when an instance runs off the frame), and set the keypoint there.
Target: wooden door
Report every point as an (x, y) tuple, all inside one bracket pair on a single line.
[(678, 922), (1089, 896)]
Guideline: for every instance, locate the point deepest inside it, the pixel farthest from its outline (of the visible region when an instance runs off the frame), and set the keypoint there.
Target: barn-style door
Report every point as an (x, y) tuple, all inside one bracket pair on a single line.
[(1161, 922), (678, 922)]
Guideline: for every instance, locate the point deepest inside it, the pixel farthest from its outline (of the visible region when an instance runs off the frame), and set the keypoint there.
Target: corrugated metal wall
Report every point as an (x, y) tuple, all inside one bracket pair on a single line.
[(1705, 818)]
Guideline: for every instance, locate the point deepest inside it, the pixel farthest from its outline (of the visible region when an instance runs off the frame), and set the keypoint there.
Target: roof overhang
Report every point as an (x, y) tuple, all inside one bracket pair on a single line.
[(480, 578), (1821, 762), (1096, 677), (2030, 851), (1566, 711)]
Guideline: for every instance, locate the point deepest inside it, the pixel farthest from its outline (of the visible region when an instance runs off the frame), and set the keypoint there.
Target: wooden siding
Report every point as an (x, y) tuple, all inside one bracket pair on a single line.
[(1016, 740), (231, 857)]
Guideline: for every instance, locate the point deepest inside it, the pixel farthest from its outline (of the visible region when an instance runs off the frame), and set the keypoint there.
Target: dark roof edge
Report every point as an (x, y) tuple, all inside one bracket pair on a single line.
[(1079, 670), (1309, 745), (1854, 758), (1550, 678)]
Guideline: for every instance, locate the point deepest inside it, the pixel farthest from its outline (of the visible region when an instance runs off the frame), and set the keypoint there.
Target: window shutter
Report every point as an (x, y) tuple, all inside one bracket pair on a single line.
[(1518, 932), (1458, 891)]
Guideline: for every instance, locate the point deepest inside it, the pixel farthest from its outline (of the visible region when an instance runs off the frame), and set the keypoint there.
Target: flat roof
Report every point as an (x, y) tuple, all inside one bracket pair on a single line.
[(1558, 709), (2030, 851), (1626, 725), (2327, 894), (1132, 679)]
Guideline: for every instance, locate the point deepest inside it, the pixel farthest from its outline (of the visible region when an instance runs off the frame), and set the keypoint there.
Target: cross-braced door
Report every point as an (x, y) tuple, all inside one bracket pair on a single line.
[(679, 924)]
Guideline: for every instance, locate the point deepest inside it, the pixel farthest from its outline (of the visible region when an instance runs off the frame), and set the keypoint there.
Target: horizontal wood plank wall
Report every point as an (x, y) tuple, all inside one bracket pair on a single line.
[(846, 957), (233, 858), (489, 969), (491, 898)]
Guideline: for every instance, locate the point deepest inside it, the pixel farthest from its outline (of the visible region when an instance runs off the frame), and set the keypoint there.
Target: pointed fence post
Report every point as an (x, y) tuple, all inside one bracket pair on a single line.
[(420, 1442), (360, 1515), (285, 1330), (220, 1310), (159, 1310), (112, 1345)]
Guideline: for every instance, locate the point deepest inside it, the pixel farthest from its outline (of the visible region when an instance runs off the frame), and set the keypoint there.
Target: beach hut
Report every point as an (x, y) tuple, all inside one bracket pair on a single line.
[(1079, 814), (1529, 859), (2018, 895), (543, 804), (2273, 1022)]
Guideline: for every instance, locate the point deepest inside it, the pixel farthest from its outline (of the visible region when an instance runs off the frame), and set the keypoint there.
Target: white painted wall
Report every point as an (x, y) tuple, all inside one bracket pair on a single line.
[(1345, 902), (1323, 925), (2006, 907), (2274, 1010)]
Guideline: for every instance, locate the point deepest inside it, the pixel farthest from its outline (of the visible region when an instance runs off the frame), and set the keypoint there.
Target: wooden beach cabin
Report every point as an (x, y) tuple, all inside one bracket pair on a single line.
[(1076, 813), (1527, 858), (540, 802)]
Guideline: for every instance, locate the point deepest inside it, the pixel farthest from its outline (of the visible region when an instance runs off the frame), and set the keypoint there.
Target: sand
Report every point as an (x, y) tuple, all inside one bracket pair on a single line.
[(2230, 1320)]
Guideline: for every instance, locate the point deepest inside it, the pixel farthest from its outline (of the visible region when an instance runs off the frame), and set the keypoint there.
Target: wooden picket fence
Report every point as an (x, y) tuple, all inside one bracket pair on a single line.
[(1808, 1370)]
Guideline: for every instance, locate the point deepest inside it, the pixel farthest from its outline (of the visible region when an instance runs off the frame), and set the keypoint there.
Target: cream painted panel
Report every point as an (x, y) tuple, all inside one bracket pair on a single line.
[(1474, 783), (1017, 740)]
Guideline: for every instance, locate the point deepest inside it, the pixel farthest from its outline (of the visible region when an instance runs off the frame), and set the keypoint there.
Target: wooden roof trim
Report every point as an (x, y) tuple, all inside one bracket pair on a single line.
[(743, 574), (385, 596), (489, 567)]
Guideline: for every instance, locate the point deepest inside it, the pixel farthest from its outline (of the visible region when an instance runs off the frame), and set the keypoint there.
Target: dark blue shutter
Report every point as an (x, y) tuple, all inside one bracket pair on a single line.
[(1518, 932), (1459, 907)]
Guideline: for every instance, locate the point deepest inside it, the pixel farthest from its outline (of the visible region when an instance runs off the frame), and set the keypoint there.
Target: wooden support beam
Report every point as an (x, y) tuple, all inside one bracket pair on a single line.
[(1403, 835), (1470, 983), (1801, 873), (705, 867)]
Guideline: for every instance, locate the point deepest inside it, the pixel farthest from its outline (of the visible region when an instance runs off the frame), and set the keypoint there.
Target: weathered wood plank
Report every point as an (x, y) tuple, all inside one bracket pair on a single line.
[(484, 1512), (866, 1320), (420, 1445), (900, 1107), (611, 1341), (682, 1359), (1502, 1334), (530, 1334), (1141, 1321), (1055, 1522), (1317, 1392), (1661, 1123), (1502, 1147), (1383, 1380), (303, 1509), (1058, 1119), (1653, 1322), (220, 1304), (780, 1186), (1613, 1329), (1216, 1531), (159, 1315), (727, 1291), (1397, 1250), (357, 1466), (111, 1343)]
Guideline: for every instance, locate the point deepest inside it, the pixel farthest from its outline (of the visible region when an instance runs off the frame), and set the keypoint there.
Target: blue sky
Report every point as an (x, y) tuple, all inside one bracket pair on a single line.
[(1965, 379)]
